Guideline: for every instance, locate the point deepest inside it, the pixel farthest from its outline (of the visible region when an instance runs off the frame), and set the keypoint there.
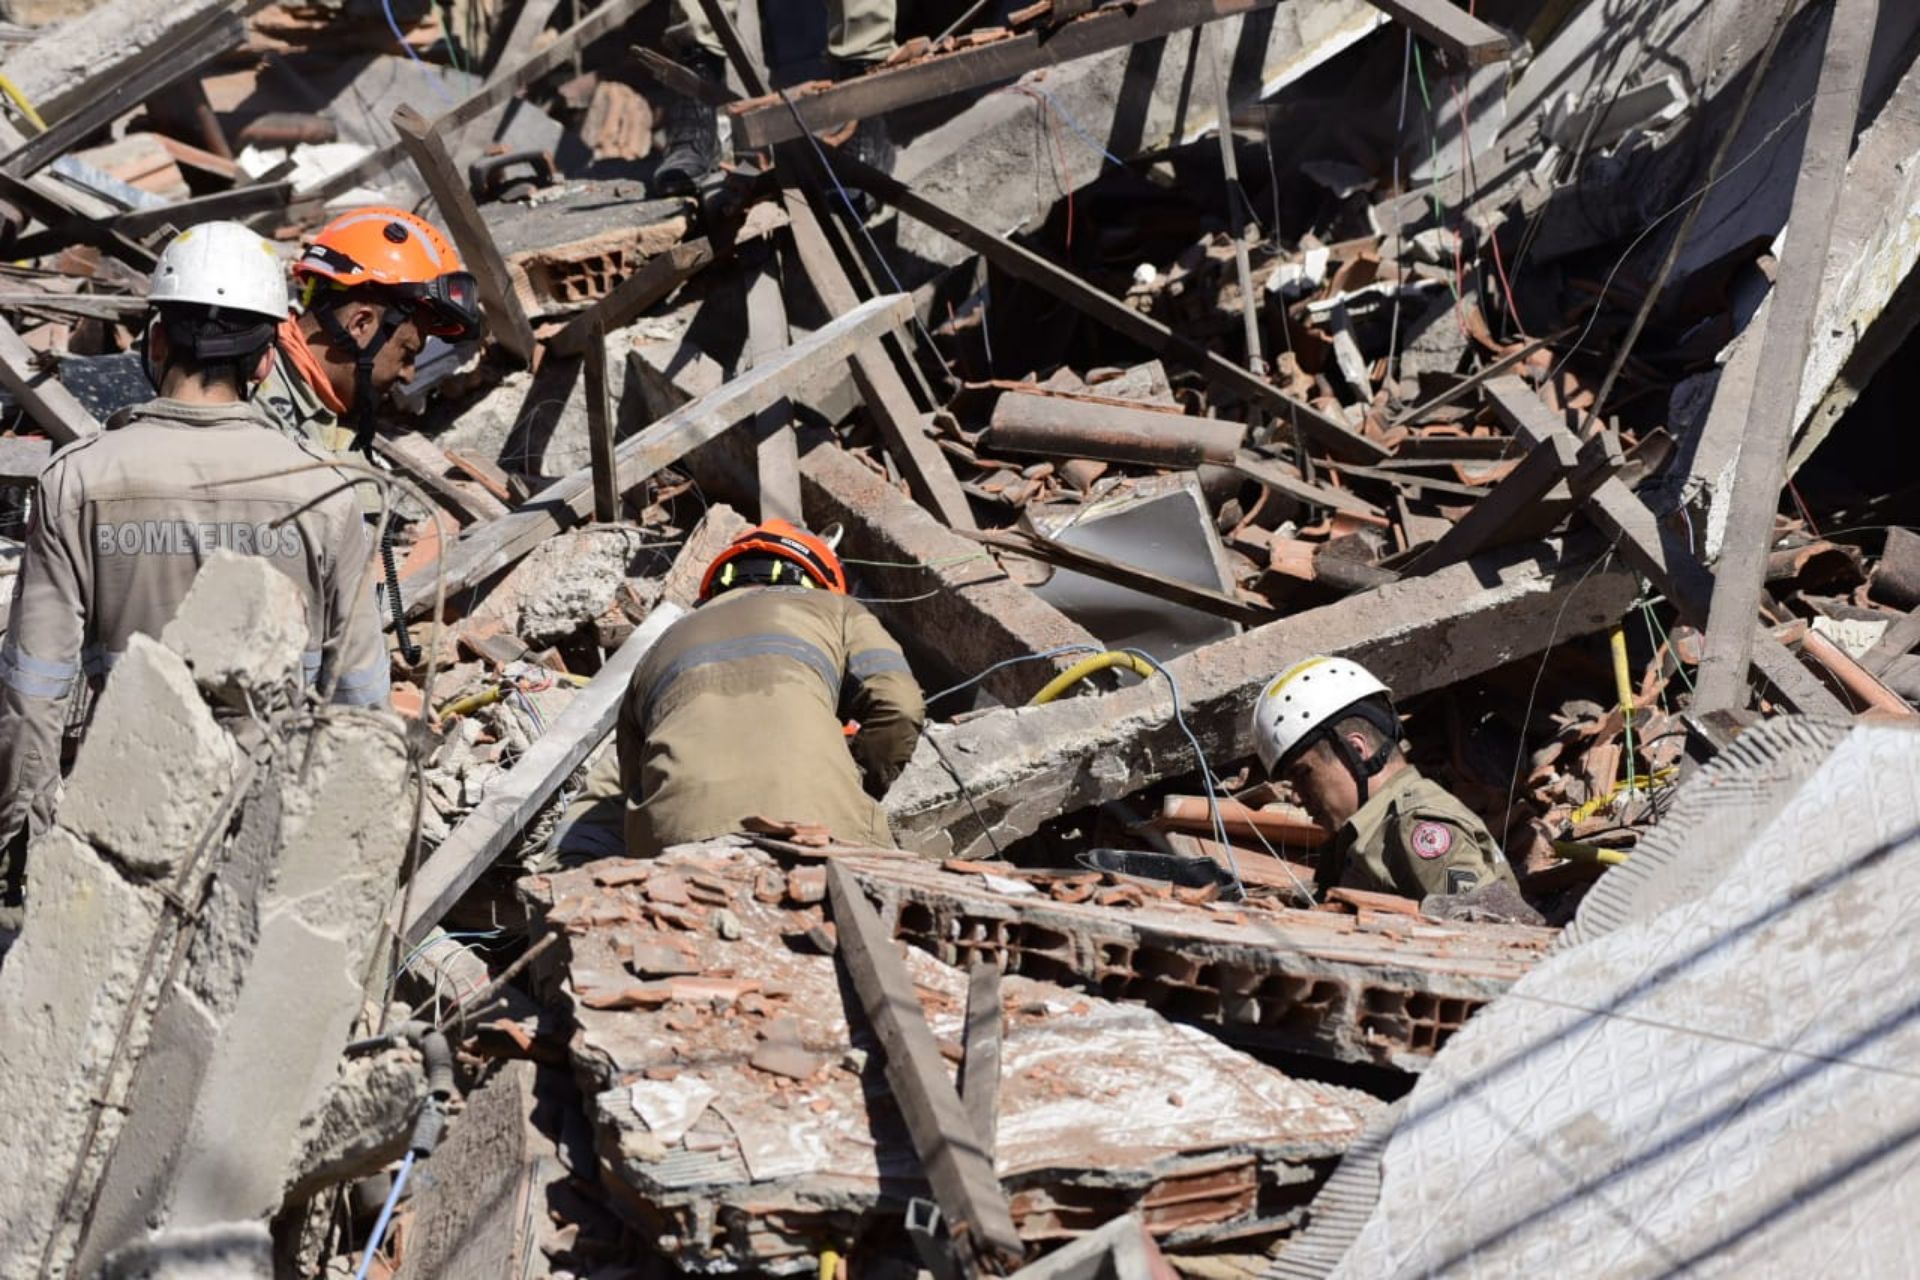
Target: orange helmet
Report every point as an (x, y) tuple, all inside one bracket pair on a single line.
[(758, 555), (405, 256)]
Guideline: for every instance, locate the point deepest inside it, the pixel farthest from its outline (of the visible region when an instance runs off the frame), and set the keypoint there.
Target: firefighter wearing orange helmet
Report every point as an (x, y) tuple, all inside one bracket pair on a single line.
[(371, 288), (741, 707)]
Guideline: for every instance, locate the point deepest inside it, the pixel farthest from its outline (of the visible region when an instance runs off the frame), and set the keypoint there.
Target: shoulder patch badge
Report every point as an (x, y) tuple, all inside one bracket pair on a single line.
[(1431, 839)]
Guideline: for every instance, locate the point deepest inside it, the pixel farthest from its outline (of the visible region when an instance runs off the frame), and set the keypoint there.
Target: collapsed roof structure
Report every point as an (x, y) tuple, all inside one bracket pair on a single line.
[(1465, 341)]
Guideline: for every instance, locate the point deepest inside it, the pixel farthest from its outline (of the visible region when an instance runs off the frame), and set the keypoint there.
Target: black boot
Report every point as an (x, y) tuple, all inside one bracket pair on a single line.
[(693, 138)]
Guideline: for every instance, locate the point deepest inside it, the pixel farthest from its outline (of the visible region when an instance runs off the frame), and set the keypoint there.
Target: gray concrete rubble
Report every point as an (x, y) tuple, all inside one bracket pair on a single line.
[(738, 1119), (209, 1041), (1753, 1123), (1125, 103), (1127, 354), (1015, 768)]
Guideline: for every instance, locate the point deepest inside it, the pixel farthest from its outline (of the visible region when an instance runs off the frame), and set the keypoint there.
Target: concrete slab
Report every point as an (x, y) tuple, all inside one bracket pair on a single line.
[(1020, 767), (1756, 1118)]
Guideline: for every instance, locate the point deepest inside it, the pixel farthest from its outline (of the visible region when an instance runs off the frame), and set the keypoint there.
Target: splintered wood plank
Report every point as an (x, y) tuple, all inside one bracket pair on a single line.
[(50, 405), (512, 800), (1449, 28), (483, 551), (1660, 553), (764, 122), (423, 144), (659, 276), (1773, 410), (606, 479), (980, 1069), (979, 1216), (1338, 439), (881, 388)]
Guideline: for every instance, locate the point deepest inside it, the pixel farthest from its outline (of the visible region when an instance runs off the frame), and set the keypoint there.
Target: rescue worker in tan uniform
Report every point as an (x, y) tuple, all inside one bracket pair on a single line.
[(860, 36), (372, 286), (739, 709), (122, 520), (1326, 727)]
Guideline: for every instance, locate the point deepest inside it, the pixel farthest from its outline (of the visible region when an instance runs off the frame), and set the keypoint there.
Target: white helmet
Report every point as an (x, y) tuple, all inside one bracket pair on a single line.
[(222, 264), (1304, 698)]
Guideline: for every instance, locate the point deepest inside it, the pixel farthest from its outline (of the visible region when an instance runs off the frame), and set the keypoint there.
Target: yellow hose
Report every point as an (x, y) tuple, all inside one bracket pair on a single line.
[(1623, 688), (1644, 782), (1086, 667), (487, 697), (26, 108), (1577, 851), (829, 1264)]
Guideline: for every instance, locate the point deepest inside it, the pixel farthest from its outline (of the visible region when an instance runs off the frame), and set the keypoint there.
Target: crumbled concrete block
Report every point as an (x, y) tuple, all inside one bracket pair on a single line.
[(64, 992), (154, 766), (242, 629), (568, 581), (225, 1251), (363, 1122)]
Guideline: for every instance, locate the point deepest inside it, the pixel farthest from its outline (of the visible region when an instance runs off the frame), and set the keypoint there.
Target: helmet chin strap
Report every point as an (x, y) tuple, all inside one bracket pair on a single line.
[(364, 408), (1365, 768)]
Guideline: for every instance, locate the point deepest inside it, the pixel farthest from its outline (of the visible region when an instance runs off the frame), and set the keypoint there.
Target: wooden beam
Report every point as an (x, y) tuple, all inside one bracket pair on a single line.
[(978, 1214), (1517, 494), (776, 449), (1016, 260), (54, 212), (119, 87), (606, 477), (505, 84), (484, 551), (1454, 31), (425, 145), (980, 1068), (1172, 590), (678, 79), (766, 121), (514, 46), (1772, 412), (1659, 553), (239, 203), (513, 799), (50, 405), (1284, 480), (657, 277), (424, 463), (902, 425), (1896, 642)]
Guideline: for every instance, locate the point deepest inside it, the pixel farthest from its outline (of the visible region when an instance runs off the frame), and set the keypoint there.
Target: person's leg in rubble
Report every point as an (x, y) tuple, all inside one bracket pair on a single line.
[(860, 37), (693, 130)]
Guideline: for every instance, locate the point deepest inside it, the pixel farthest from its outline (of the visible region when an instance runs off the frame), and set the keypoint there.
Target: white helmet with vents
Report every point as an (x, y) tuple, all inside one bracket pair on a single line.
[(225, 265), (1303, 699)]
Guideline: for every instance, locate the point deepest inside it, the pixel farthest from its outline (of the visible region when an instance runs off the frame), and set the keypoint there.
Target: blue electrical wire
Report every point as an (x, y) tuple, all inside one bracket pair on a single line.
[(433, 81), (386, 1217)]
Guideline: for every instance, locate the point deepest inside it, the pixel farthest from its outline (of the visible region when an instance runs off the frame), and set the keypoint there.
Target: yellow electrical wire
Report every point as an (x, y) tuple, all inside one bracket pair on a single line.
[(19, 100), (487, 697), (1086, 667), (1579, 851)]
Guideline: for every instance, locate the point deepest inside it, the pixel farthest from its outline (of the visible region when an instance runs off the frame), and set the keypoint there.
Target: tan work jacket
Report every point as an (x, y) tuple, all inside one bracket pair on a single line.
[(292, 408), (121, 523), (1412, 838), (737, 711)]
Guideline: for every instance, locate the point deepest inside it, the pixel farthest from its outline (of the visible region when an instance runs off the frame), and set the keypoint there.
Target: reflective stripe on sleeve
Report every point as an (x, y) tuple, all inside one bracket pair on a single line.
[(868, 663), (35, 677)]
